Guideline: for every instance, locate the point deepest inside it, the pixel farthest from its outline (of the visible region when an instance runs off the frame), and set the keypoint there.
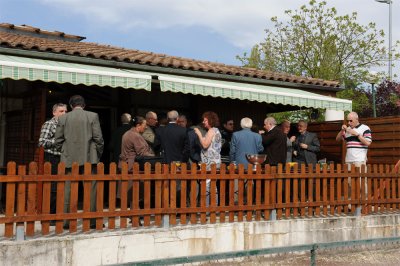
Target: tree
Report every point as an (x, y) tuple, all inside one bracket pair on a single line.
[(387, 99), (310, 115), (321, 44), (361, 102)]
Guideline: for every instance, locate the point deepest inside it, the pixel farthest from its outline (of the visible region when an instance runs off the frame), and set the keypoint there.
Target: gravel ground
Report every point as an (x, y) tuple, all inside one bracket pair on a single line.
[(384, 254)]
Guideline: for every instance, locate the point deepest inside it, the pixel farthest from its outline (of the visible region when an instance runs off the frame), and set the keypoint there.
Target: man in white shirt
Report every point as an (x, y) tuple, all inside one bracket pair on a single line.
[(358, 137)]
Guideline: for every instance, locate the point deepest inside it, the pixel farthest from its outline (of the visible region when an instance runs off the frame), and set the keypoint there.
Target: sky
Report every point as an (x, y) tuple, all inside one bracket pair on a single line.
[(211, 30)]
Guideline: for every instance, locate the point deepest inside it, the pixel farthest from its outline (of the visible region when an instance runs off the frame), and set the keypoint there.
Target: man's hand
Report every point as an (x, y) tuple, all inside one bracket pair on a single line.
[(352, 131), (303, 146)]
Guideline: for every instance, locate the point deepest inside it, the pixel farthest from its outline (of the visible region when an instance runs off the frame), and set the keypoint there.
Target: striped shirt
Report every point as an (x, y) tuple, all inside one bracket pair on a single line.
[(356, 150), (46, 139)]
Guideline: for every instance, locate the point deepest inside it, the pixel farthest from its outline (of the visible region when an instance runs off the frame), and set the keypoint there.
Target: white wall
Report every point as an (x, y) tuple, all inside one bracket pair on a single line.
[(130, 245), (333, 115)]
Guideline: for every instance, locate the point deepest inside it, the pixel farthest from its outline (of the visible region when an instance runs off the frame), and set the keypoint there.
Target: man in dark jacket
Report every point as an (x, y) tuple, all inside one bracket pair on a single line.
[(226, 134), (173, 140), (306, 145), (274, 142), (174, 143)]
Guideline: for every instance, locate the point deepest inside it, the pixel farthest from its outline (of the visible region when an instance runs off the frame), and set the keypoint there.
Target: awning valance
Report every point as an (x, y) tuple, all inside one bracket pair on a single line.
[(259, 93), (17, 68)]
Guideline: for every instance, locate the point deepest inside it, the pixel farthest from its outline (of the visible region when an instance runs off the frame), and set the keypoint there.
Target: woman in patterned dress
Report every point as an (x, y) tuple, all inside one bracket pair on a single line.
[(211, 144)]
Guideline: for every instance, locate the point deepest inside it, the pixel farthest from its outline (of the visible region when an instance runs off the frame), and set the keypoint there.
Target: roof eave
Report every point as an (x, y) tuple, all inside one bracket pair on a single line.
[(160, 69)]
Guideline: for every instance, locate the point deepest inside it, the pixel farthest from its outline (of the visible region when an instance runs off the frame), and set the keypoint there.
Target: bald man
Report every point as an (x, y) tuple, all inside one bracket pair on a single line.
[(358, 137)]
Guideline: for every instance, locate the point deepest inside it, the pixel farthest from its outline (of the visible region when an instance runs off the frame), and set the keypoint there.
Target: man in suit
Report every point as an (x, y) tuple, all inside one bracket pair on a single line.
[(244, 142), (173, 139), (226, 134), (174, 144), (78, 136), (306, 145), (274, 142)]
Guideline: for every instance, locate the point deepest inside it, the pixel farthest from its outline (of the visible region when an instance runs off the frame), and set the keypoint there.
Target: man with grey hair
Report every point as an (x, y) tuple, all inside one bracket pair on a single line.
[(46, 139), (244, 142), (306, 145), (173, 140), (174, 145), (51, 153), (172, 116), (358, 138), (274, 142)]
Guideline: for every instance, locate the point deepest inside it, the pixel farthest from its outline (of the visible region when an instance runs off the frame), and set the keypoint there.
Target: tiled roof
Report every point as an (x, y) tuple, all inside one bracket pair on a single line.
[(30, 38)]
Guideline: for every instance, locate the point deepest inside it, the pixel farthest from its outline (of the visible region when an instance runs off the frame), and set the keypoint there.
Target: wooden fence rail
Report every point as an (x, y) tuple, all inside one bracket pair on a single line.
[(187, 194)]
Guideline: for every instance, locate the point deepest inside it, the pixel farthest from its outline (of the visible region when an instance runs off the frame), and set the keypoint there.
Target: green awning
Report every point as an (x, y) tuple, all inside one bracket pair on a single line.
[(259, 93), (17, 68)]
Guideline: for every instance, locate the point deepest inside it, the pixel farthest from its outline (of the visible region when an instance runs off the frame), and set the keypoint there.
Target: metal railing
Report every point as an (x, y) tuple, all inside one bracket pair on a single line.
[(266, 251)]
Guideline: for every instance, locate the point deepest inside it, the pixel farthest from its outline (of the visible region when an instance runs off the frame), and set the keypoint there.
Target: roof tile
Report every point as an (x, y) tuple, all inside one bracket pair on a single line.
[(31, 38)]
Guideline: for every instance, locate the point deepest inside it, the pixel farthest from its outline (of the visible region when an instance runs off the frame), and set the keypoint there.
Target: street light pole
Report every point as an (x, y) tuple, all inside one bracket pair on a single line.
[(373, 78), (373, 100), (389, 2)]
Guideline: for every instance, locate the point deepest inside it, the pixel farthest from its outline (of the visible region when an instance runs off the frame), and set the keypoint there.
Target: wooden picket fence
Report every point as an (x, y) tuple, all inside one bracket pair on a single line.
[(179, 193)]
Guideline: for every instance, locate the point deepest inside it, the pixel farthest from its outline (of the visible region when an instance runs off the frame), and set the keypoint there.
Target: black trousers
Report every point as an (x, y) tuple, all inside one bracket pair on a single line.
[(54, 160)]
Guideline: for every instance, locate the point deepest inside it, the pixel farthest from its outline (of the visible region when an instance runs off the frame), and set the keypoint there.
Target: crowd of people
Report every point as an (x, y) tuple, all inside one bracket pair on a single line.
[(76, 136)]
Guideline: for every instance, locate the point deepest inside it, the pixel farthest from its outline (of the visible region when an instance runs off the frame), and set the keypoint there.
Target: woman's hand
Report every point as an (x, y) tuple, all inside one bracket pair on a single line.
[(197, 131)]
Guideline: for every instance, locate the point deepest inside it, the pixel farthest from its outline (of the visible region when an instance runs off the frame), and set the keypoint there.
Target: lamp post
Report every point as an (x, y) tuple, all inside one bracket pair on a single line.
[(389, 2), (373, 78), (373, 100)]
